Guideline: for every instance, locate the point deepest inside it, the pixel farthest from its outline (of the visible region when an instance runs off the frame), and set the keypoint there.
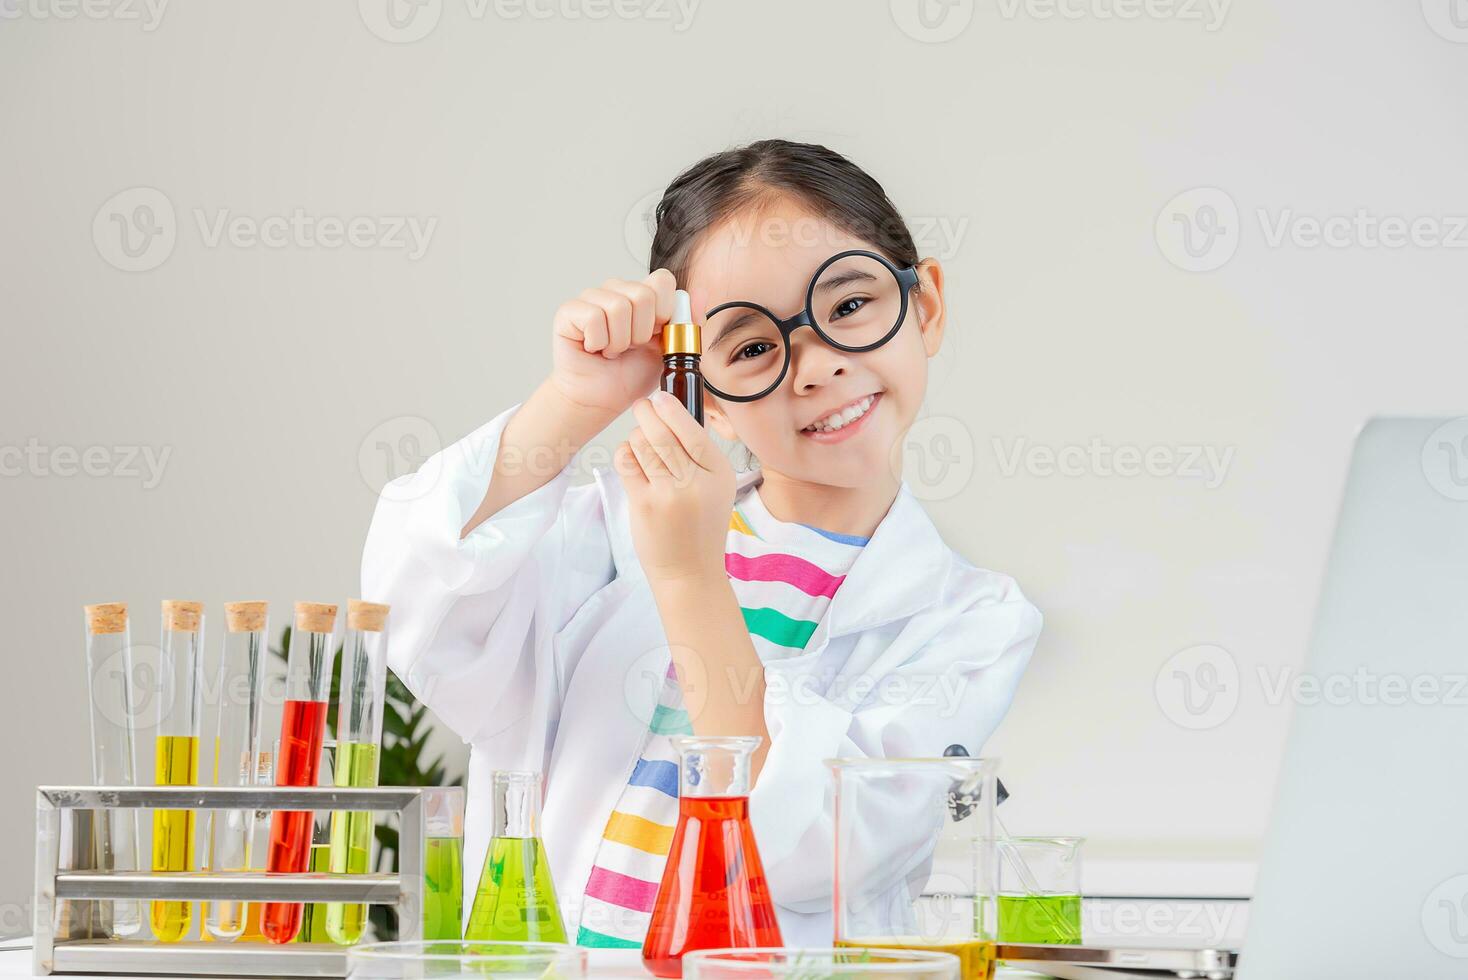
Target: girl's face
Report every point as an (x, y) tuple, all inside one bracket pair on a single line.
[(768, 258)]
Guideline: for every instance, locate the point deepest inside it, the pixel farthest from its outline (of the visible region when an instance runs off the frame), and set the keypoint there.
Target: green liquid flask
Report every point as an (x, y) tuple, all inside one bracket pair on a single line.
[(358, 733), (516, 899), (443, 863)]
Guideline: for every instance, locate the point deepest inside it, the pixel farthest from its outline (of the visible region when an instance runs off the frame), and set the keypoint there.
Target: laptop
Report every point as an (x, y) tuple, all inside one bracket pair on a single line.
[(1364, 872)]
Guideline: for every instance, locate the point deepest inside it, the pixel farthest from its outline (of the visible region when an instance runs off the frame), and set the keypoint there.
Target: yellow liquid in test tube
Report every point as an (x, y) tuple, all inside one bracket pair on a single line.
[(177, 764)]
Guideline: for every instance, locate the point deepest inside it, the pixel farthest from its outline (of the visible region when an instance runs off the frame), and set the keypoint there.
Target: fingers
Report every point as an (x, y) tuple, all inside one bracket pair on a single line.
[(618, 315), (583, 322), (652, 464), (693, 441), (661, 282), (627, 465), (616, 310), (644, 300), (662, 441)]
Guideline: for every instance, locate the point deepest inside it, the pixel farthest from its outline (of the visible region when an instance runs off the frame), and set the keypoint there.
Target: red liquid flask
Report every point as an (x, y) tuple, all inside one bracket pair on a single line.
[(302, 730), (713, 894)]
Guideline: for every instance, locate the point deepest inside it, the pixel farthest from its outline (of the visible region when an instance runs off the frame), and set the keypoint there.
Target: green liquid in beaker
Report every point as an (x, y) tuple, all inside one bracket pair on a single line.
[(515, 899), (1040, 919), (443, 888)]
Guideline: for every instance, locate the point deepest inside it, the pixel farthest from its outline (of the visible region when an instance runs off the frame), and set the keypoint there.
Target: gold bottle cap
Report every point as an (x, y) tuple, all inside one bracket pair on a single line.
[(369, 617), (681, 335), (244, 617), (182, 616), (106, 617), (316, 617)]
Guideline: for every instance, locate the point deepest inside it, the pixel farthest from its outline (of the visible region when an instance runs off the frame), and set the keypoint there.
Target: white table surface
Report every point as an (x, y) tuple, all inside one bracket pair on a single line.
[(610, 963)]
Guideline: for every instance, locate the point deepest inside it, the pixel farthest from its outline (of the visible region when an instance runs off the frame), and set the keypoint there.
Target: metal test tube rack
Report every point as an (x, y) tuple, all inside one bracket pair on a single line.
[(109, 956)]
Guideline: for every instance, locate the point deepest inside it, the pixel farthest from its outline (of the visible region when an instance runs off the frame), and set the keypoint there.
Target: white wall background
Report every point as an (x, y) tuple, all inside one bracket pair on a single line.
[(1034, 155)]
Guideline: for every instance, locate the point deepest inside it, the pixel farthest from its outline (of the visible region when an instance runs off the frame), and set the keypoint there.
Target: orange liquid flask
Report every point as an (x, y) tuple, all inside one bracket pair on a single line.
[(713, 894)]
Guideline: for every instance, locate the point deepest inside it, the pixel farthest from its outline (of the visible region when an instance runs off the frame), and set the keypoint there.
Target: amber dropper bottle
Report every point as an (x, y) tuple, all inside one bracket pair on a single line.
[(682, 348)]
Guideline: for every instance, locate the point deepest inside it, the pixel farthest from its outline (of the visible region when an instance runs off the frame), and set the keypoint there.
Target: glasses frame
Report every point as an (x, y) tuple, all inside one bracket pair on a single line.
[(906, 279)]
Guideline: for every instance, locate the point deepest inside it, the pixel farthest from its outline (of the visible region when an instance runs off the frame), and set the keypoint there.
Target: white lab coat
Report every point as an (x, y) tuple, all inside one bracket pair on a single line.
[(536, 639)]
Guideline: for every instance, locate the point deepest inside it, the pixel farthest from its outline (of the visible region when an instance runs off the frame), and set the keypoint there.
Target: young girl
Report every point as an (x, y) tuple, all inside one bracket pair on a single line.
[(572, 629)]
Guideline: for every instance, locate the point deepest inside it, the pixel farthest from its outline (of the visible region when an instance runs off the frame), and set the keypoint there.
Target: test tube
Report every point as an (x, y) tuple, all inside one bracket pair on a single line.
[(114, 762), (358, 735), (313, 915), (302, 730), (176, 753), (236, 754)]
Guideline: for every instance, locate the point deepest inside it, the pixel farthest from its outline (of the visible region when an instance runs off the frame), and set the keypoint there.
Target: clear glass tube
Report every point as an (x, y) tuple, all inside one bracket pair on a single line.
[(176, 752), (358, 741), (302, 731), (313, 916), (114, 759), (236, 753)]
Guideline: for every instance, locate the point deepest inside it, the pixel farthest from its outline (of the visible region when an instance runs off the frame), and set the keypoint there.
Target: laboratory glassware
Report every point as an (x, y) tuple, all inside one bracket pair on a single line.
[(108, 839), (515, 898), (302, 730), (358, 741), (1040, 890), (236, 753), (443, 863), (819, 964), (915, 858), (176, 752), (444, 959), (313, 915), (713, 893)]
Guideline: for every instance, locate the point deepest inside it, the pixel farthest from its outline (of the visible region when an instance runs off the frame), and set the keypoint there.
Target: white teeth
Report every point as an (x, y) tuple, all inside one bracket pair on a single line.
[(844, 417)]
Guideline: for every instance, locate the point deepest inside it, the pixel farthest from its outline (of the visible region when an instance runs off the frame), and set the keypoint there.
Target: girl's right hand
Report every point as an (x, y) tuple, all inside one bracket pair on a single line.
[(606, 351)]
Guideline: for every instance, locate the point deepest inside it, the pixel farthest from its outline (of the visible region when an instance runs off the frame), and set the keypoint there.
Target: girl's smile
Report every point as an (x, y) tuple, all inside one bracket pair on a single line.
[(844, 422)]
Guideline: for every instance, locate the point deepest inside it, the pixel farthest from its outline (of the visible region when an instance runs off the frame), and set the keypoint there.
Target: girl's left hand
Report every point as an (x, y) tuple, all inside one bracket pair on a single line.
[(681, 491)]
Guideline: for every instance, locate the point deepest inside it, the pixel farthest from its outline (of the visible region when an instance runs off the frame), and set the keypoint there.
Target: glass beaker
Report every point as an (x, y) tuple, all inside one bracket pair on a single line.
[(713, 894), (515, 898), (442, 960), (1040, 890), (820, 964), (443, 862), (914, 855)]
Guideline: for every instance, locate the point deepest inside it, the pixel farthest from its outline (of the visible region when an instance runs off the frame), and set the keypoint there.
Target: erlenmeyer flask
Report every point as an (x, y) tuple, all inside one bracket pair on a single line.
[(516, 899), (713, 894)]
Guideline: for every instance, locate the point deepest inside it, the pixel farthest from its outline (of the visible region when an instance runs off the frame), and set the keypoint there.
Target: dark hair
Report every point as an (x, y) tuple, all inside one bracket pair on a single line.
[(755, 176)]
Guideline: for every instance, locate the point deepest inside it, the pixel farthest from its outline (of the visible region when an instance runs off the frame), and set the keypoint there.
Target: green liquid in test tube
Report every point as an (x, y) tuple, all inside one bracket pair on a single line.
[(443, 863), (358, 733)]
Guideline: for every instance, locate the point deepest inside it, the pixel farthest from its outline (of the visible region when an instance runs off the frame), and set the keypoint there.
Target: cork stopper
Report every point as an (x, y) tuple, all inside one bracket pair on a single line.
[(182, 616), (316, 617), (370, 617), (244, 617), (106, 617)]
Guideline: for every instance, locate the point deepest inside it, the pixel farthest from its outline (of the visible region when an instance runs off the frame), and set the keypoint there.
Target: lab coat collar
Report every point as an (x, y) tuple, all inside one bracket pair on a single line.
[(902, 570)]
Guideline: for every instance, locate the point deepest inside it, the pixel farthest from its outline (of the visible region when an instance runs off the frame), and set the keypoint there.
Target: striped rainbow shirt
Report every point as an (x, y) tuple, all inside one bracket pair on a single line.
[(784, 576)]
